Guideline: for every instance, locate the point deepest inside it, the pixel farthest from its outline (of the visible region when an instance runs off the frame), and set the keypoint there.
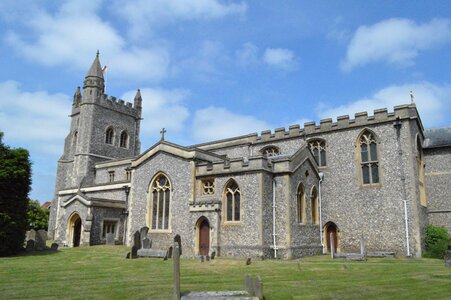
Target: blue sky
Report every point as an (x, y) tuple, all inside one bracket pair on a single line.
[(211, 69)]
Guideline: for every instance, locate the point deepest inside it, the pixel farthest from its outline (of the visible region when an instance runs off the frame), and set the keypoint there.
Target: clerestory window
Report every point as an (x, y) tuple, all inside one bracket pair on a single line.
[(318, 149), (270, 151)]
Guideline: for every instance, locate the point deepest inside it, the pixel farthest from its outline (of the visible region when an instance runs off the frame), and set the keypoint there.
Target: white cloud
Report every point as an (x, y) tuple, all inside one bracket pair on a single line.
[(247, 54), (214, 123), (37, 120), (433, 102), (394, 41), (144, 15), (71, 37), (161, 108), (280, 58)]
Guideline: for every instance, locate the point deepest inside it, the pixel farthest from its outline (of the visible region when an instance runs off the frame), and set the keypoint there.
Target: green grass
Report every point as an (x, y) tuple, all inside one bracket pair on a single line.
[(102, 272)]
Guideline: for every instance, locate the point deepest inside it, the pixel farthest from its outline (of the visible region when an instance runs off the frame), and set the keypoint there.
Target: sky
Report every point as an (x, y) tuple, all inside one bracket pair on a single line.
[(212, 69)]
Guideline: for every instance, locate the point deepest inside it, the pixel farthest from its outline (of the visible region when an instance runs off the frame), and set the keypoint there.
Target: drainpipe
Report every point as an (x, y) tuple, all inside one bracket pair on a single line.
[(397, 124), (274, 217), (125, 213), (321, 177)]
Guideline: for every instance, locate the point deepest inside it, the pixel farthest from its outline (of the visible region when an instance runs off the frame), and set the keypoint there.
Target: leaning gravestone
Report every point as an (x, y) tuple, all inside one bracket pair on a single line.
[(41, 237), (110, 239), (54, 247)]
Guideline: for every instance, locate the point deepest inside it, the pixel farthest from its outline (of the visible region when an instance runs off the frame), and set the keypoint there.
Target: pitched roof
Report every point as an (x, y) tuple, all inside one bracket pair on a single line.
[(437, 137)]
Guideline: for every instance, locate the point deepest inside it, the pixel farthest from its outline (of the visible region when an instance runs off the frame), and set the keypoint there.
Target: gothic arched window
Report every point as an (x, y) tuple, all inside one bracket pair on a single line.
[(369, 163), (314, 206), (232, 202), (124, 140), (109, 134), (420, 167), (270, 151), (318, 148), (75, 139), (301, 203), (160, 202)]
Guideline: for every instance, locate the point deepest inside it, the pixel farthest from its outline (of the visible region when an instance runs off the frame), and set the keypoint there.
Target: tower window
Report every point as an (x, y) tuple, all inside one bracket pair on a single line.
[(109, 136), (124, 140), (318, 149), (111, 176)]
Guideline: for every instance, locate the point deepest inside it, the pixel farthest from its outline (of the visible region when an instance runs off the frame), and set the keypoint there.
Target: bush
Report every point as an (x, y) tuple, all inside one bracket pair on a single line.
[(436, 241)]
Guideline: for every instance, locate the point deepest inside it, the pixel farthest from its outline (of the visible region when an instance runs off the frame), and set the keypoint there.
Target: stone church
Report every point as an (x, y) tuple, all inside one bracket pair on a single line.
[(278, 194)]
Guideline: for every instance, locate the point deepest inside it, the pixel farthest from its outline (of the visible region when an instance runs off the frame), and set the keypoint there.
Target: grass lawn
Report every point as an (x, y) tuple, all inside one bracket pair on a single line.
[(102, 272)]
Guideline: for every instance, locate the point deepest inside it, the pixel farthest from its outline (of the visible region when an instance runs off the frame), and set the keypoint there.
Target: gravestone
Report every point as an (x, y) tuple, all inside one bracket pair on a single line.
[(137, 240), (54, 247), (41, 237), (134, 252), (127, 255), (249, 285), (258, 287), (213, 254), (31, 235), (207, 258), (176, 261), (110, 239), (179, 241), (30, 246), (146, 243), (170, 252), (201, 258), (248, 261), (143, 234), (448, 258)]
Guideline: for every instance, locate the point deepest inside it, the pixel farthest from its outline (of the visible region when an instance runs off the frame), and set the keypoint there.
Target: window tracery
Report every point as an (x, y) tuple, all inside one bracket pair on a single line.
[(109, 136), (161, 201), (232, 202), (208, 187), (270, 151), (369, 163), (318, 149)]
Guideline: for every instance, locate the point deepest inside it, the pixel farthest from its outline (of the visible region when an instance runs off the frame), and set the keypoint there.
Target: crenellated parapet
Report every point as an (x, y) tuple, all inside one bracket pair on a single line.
[(118, 105)]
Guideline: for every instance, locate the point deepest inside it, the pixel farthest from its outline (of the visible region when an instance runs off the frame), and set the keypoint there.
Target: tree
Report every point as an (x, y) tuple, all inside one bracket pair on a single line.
[(15, 181), (37, 217)]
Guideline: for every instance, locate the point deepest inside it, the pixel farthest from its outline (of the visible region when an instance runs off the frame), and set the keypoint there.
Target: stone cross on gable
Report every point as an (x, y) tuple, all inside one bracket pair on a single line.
[(163, 131)]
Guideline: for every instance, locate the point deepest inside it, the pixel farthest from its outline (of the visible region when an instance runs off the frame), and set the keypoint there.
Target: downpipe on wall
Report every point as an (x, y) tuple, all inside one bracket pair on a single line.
[(321, 177), (274, 217)]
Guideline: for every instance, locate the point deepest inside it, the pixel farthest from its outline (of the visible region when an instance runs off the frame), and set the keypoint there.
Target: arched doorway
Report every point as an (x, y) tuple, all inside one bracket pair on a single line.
[(331, 232), (204, 236), (74, 230)]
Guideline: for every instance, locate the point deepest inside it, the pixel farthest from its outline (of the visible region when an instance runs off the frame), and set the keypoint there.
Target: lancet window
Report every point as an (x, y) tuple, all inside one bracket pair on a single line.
[(160, 202)]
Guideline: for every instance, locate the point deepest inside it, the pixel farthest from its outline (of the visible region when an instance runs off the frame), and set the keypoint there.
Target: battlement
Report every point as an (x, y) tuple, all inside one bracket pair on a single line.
[(118, 105), (244, 164), (361, 119)]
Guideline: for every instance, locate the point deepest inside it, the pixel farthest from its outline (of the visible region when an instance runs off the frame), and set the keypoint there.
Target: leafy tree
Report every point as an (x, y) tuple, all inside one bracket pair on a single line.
[(15, 181), (37, 217), (436, 241)]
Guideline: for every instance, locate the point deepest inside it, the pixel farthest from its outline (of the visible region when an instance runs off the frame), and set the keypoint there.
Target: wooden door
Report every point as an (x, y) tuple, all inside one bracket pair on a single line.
[(77, 232), (204, 238), (331, 231)]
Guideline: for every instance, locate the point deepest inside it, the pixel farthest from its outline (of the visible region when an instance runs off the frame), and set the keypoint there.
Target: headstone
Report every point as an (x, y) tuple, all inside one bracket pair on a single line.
[(448, 258), (213, 254), (207, 258), (137, 240), (54, 247), (134, 252), (170, 252), (110, 238), (258, 287), (249, 285), (41, 237), (31, 235), (146, 243), (176, 260), (179, 241), (30, 246), (143, 233), (128, 255), (248, 261), (201, 258), (362, 248)]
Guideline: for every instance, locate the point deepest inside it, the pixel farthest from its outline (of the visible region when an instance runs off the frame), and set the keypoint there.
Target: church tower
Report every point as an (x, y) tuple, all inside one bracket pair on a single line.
[(102, 128)]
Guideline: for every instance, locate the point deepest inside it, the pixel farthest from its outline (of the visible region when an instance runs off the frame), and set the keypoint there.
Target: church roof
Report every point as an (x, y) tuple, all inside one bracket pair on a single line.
[(96, 68), (437, 137)]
